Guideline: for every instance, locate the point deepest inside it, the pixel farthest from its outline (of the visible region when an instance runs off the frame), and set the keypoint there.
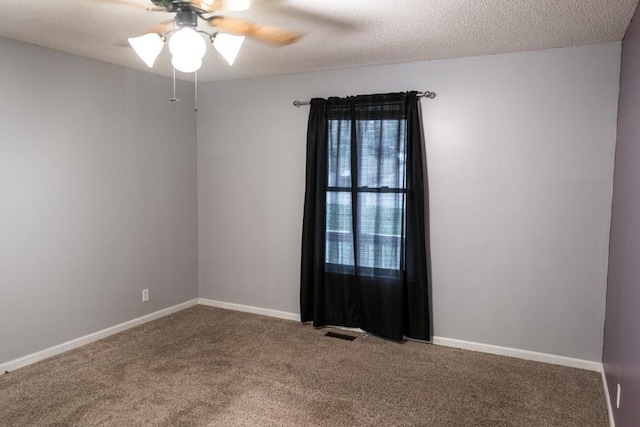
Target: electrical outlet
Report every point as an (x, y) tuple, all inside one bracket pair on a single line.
[(145, 295), (618, 397)]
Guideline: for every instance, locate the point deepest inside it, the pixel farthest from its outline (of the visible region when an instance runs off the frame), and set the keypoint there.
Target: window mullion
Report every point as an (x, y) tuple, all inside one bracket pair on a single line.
[(354, 185)]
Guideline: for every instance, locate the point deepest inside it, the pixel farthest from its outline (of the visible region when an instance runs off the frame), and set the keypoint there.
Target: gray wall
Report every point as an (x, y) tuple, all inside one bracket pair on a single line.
[(97, 196), (520, 155), (98, 193), (621, 356)]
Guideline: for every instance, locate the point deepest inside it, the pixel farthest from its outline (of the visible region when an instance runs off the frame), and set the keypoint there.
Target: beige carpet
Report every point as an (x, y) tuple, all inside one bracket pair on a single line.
[(212, 367)]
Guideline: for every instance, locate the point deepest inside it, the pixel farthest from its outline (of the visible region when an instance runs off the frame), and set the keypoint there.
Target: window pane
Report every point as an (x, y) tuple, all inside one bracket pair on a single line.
[(381, 161), (380, 230), (381, 153), (339, 244), (339, 155)]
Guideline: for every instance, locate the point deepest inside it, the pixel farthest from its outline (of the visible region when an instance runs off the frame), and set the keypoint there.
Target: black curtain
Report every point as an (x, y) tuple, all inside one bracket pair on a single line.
[(364, 248)]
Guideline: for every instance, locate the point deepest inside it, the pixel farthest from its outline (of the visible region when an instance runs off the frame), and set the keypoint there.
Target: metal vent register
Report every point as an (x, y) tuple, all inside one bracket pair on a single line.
[(341, 336)]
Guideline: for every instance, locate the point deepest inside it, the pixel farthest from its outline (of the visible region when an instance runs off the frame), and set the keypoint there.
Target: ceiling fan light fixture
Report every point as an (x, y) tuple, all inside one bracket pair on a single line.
[(228, 46), (148, 47), (236, 5), (187, 42), (186, 64)]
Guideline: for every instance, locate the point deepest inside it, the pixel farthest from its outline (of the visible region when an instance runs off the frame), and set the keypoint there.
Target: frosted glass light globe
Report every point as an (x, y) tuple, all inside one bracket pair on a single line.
[(187, 42), (148, 47), (228, 46), (186, 64)]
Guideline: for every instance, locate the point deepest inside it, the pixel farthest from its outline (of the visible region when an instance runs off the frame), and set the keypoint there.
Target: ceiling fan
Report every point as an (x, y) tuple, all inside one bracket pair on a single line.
[(186, 43)]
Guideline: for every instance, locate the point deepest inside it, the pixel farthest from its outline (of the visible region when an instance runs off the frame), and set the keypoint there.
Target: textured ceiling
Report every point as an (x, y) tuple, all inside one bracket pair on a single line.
[(338, 33)]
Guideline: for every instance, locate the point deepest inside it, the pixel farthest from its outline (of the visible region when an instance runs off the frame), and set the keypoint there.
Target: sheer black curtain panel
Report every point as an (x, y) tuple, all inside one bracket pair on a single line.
[(364, 245)]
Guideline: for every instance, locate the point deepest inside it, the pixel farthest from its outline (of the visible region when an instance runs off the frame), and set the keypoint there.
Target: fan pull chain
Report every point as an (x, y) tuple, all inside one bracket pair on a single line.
[(174, 99), (196, 94)]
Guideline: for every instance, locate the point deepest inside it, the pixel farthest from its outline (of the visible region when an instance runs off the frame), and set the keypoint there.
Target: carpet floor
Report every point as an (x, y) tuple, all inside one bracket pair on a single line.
[(206, 366)]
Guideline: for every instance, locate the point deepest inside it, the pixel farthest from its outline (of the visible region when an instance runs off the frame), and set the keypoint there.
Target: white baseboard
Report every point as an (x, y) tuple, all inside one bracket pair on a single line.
[(448, 342), (250, 309), (520, 354), (75, 343), (607, 397)]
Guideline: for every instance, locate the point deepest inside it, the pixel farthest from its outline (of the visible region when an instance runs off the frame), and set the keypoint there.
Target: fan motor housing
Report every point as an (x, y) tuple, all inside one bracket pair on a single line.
[(185, 15), (163, 3), (186, 19)]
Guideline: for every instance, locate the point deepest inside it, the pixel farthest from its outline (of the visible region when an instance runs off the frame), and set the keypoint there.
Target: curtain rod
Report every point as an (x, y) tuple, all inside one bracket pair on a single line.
[(425, 94)]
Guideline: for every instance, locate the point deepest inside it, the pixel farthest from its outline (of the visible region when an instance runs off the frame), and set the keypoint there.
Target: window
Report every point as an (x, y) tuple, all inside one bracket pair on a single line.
[(364, 246), (375, 197)]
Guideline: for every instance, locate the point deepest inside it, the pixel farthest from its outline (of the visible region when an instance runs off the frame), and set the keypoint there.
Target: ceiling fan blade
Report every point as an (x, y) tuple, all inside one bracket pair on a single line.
[(208, 6), (161, 28), (340, 24), (265, 33), (128, 3)]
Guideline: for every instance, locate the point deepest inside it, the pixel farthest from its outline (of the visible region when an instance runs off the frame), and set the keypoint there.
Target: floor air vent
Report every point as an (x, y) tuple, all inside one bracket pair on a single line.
[(341, 336)]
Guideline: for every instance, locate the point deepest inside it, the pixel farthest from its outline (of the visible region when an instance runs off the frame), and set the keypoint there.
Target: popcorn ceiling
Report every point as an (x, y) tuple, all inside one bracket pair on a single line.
[(339, 33)]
